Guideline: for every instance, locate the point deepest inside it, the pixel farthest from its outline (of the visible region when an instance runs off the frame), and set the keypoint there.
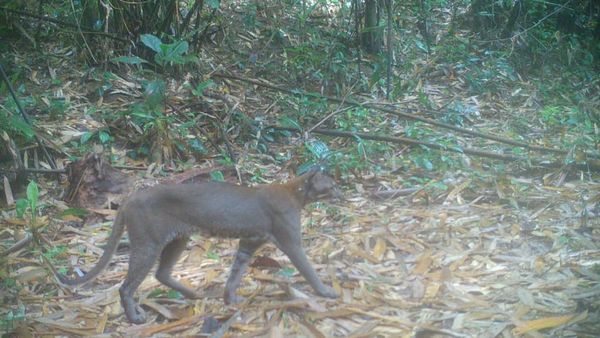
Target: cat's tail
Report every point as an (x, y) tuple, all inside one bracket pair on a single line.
[(109, 250)]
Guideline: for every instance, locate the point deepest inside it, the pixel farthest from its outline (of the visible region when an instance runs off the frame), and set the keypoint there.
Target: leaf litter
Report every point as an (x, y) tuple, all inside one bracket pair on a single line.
[(402, 268)]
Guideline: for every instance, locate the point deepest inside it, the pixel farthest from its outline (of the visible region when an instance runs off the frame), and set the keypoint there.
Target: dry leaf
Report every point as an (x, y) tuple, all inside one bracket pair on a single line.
[(542, 323)]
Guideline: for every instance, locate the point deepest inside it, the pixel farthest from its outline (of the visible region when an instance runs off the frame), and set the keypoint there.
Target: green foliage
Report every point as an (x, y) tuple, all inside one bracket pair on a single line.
[(102, 135), (422, 159), (213, 4), (149, 119), (488, 74), (79, 212), (257, 176), (201, 87), (154, 92), (30, 203), (217, 175), (8, 320), (132, 60), (32, 195), (249, 15), (15, 126), (287, 272), (165, 54), (212, 255), (318, 149), (456, 113), (58, 107), (323, 59), (11, 120), (552, 115), (168, 54), (21, 207), (315, 152), (55, 251), (355, 119), (429, 159)]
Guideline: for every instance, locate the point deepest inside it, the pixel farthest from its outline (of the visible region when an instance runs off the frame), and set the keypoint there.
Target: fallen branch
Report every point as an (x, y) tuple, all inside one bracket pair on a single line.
[(402, 114), (591, 165), (393, 193), (17, 246)]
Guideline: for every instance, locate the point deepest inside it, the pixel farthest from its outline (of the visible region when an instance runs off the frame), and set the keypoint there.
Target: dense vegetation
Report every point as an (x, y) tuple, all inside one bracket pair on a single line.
[(421, 93)]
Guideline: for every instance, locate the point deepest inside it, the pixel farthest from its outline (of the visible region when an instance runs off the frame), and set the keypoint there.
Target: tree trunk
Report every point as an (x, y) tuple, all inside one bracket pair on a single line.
[(514, 15), (371, 35)]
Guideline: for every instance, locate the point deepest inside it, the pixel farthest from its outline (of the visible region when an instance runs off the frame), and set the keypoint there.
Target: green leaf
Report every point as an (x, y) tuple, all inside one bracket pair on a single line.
[(155, 92), (32, 195), (21, 127), (9, 283), (217, 176), (85, 137), (156, 293), (21, 206), (287, 272), (421, 45), (289, 122), (305, 167), (190, 59), (318, 148), (104, 136), (563, 239), (213, 4), (427, 164), (172, 294), (55, 251), (202, 86), (197, 146), (179, 48), (132, 60), (212, 255), (80, 212), (151, 42)]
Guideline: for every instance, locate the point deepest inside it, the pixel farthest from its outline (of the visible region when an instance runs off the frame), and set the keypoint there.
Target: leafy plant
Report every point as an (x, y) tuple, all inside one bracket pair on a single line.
[(422, 158), (30, 203), (101, 135), (552, 115), (201, 87), (161, 134), (217, 175), (55, 252), (7, 321), (168, 53), (15, 126)]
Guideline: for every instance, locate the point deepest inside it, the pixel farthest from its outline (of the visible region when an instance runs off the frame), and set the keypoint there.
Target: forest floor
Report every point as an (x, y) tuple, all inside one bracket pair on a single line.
[(458, 267), (493, 255)]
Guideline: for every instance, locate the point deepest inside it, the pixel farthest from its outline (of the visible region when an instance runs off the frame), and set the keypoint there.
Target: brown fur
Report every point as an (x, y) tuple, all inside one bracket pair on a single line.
[(161, 219)]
